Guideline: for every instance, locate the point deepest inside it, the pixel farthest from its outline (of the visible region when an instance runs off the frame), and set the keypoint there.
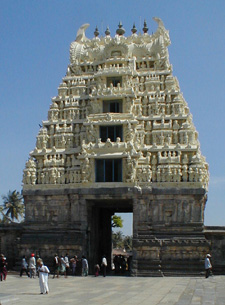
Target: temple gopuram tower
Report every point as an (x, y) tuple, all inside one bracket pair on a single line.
[(119, 138)]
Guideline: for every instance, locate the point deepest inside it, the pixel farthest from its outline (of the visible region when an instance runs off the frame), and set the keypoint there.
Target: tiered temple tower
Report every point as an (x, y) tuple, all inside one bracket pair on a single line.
[(119, 138)]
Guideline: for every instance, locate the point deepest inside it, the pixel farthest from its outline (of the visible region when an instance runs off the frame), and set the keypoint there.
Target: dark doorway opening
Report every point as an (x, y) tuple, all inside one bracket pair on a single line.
[(99, 231)]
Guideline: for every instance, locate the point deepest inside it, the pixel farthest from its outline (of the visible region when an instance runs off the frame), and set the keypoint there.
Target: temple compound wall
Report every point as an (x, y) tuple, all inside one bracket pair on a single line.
[(119, 138), (10, 235), (215, 236)]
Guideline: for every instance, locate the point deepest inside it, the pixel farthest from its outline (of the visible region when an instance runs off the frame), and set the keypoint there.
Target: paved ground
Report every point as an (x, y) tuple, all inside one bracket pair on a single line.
[(115, 290)]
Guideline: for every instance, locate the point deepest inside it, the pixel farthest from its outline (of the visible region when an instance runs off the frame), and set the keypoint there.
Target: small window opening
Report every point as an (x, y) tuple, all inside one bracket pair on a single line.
[(111, 132), (112, 106), (108, 170), (114, 81)]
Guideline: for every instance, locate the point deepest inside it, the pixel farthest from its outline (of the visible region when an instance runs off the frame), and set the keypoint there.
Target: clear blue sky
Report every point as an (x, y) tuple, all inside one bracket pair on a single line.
[(35, 37)]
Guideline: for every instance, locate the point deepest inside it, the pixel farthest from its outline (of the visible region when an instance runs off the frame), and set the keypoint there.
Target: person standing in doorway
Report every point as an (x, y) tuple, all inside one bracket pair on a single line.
[(208, 265), (104, 265), (97, 268)]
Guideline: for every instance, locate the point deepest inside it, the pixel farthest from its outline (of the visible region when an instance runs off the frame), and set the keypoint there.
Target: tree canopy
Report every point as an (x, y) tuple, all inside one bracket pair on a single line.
[(121, 241), (117, 221), (13, 207)]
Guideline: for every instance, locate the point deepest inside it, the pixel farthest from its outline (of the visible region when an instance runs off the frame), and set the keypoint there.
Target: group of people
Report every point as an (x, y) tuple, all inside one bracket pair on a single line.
[(121, 264), (103, 267), (28, 268), (36, 267), (63, 265)]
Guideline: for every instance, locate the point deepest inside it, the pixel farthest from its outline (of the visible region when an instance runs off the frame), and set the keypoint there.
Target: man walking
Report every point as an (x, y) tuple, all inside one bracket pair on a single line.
[(208, 265), (104, 265)]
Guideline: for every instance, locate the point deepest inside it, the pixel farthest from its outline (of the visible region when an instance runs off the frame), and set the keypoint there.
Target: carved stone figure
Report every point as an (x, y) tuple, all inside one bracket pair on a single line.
[(85, 172)]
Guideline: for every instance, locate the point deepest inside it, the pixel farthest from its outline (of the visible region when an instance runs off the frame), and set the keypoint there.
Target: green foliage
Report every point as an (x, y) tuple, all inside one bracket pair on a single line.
[(3, 218), (13, 207), (117, 239), (128, 243), (121, 241), (117, 222)]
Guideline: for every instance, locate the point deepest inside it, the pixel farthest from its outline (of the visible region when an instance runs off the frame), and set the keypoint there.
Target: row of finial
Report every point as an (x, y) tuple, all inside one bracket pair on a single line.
[(121, 31)]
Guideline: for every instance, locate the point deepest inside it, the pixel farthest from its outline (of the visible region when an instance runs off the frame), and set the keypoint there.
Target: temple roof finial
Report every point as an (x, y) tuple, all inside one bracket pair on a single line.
[(145, 28), (96, 32), (134, 30), (107, 31), (120, 31)]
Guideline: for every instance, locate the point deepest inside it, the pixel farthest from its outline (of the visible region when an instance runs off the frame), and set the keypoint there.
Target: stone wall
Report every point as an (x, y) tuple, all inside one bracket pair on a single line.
[(216, 237), (168, 233), (154, 254), (10, 235)]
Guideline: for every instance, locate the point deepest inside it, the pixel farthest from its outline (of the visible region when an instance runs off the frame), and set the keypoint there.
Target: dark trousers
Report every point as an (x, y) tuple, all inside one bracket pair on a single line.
[(3, 273), (207, 272), (73, 270), (56, 271), (104, 270), (24, 270), (67, 270)]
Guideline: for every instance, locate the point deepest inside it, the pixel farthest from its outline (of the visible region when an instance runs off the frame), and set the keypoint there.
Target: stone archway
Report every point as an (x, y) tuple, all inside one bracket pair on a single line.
[(167, 226), (99, 233)]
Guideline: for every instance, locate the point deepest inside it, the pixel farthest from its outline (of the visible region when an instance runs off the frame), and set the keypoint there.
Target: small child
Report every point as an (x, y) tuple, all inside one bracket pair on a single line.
[(97, 268)]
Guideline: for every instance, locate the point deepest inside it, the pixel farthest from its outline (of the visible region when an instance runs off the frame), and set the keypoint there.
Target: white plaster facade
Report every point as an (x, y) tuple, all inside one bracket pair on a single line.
[(159, 145)]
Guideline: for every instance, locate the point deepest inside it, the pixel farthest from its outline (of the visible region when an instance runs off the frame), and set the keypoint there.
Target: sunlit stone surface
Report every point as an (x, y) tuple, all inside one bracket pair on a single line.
[(119, 137)]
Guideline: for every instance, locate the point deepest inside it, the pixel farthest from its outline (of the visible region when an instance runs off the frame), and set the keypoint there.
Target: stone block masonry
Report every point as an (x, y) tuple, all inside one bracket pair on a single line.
[(119, 138)]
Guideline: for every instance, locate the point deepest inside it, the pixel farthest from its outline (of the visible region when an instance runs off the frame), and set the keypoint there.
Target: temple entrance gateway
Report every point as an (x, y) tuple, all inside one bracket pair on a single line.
[(119, 138), (99, 241)]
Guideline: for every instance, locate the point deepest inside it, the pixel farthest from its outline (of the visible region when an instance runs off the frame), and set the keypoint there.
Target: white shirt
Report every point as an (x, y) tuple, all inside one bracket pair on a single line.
[(32, 262), (207, 263), (104, 261), (66, 260)]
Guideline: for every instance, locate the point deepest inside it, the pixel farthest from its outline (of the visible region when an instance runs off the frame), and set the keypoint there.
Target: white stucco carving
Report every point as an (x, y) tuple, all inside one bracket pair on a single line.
[(158, 143)]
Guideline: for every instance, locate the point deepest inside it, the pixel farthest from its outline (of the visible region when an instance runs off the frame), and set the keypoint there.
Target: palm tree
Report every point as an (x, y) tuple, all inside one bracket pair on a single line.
[(3, 219), (128, 240), (117, 239), (13, 206)]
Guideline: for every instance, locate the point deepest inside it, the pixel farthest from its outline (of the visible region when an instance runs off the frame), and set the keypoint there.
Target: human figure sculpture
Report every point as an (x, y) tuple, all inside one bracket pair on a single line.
[(85, 170)]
